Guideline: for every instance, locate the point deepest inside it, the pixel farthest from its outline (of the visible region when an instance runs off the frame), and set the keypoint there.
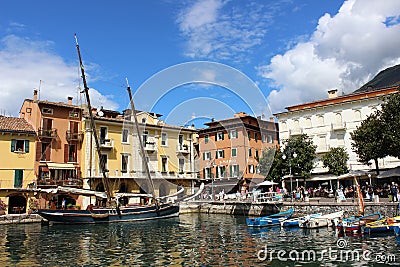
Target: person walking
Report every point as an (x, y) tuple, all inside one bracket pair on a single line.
[(394, 190)]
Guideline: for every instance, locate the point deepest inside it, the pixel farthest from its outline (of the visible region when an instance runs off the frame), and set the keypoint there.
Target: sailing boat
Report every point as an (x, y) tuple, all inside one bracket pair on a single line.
[(113, 212)]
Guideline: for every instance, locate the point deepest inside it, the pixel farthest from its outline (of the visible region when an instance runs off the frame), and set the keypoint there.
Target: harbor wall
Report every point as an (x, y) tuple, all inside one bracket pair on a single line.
[(301, 208)]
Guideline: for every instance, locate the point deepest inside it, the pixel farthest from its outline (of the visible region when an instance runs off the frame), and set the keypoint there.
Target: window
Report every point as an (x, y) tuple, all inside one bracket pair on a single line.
[(180, 141), (181, 165), (74, 114), (220, 136), (164, 139), (103, 162), (256, 136), (220, 171), (250, 153), (233, 134), (207, 173), (256, 154), (270, 139), (264, 138), (72, 153), (103, 135), (18, 178), (19, 145), (234, 170), (143, 120), (207, 155), (234, 152), (47, 111), (249, 135), (45, 152), (206, 138), (124, 163), (251, 168), (220, 154), (124, 135), (144, 137), (164, 164)]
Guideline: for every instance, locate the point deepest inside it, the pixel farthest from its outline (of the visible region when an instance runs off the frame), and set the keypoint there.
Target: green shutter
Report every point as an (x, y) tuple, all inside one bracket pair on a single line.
[(18, 175), (13, 142), (26, 146)]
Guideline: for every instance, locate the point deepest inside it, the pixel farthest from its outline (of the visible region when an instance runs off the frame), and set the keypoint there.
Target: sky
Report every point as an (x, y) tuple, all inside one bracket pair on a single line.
[(194, 60)]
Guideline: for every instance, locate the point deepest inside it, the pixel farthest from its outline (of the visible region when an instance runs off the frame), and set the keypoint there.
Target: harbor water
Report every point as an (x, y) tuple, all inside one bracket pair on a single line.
[(189, 240)]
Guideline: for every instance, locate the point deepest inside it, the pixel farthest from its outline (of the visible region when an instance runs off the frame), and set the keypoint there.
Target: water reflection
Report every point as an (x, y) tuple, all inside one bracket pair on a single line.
[(190, 240)]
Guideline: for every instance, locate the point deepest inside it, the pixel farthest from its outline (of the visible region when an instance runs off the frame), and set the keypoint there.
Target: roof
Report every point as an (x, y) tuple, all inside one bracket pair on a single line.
[(58, 104), (341, 99), (17, 125)]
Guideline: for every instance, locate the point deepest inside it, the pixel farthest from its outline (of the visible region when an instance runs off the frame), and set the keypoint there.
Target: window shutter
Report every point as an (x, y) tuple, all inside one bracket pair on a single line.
[(216, 137), (216, 154), (230, 171), (13, 142), (204, 155), (38, 151), (66, 153), (26, 146), (223, 153)]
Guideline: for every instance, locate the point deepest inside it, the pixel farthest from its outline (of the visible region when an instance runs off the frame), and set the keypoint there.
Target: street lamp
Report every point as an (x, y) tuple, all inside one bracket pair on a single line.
[(289, 156)]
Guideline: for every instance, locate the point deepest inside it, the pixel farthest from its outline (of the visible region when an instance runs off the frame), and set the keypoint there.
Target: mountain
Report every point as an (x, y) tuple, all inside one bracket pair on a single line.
[(386, 78)]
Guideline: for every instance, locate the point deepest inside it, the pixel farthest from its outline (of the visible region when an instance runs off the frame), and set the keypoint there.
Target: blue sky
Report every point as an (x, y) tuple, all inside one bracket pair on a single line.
[(252, 56)]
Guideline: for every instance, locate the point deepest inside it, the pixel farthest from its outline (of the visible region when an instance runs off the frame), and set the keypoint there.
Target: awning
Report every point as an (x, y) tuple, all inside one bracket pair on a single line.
[(63, 166), (395, 172)]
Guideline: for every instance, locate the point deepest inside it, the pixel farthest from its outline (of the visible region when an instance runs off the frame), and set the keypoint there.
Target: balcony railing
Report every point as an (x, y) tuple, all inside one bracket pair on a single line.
[(74, 136), (295, 131), (181, 148), (150, 145), (47, 133), (70, 182), (106, 143)]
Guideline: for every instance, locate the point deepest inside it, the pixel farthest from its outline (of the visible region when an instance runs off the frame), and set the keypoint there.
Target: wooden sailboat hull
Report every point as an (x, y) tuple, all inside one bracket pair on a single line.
[(107, 215)]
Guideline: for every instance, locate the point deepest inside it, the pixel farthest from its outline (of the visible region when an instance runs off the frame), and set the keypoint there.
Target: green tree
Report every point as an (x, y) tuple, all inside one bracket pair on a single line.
[(390, 118), (271, 164), (336, 160), (368, 141), (304, 148)]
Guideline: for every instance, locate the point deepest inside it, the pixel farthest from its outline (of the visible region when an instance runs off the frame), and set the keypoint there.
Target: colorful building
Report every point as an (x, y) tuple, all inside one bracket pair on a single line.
[(169, 152), (230, 149), (17, 146)]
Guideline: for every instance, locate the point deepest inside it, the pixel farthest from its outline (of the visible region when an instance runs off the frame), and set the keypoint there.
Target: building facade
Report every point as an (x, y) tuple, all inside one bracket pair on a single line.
[(169, 152), (17, 146), (329, 123), (59, 141), (230, 149)]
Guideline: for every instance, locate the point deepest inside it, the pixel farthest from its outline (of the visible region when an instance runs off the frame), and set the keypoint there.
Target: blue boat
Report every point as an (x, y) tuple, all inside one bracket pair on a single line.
[(270, 220), (396, 229), (353, 224), (294, 222)]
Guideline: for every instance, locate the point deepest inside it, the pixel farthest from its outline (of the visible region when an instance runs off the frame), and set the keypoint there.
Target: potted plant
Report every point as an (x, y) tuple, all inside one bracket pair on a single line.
[(3, 207)]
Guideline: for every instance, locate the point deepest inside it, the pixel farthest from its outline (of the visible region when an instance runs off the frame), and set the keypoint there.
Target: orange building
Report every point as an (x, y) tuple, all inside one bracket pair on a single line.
[(59, 141), (230, 149)]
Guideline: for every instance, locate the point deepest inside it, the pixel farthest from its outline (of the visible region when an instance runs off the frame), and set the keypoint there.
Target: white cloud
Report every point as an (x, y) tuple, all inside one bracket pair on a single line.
[(222, 30), (345, 51), (24, 63)]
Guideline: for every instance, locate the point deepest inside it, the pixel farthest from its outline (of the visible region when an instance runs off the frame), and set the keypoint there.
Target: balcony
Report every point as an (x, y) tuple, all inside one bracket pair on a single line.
[(47, 133), (74, 136), (322, 149), (150, 145), (107, 143), (51, 182), (181, 148), (338, 126), (295, 131)]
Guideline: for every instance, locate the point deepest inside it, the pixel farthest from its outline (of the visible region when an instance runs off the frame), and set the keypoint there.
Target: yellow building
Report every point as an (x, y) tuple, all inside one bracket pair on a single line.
[(17, 159), (169, 150)]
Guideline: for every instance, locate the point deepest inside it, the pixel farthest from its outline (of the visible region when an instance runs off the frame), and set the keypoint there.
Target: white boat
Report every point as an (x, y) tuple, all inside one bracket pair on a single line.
[(322, 221)]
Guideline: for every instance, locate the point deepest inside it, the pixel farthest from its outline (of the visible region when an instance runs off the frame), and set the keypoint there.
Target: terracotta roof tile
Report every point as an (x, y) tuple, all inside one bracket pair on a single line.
[(11, 124)]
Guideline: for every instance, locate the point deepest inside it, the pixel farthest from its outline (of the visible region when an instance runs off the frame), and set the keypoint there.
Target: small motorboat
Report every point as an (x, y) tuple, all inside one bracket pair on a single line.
[(321, 221), (294, 222), (382, 226), (270, 220), (353, 224)]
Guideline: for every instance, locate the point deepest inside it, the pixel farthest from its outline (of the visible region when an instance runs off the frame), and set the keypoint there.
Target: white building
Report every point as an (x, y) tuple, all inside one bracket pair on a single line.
[(329, 123)]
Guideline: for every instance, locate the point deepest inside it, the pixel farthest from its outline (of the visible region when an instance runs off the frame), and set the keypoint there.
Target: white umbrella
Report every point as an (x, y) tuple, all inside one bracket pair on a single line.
[(267, 183)]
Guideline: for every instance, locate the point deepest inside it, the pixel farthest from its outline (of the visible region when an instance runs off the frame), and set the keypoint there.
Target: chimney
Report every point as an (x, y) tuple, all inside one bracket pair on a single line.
[(70, 100), (35, 95), (333, 93)]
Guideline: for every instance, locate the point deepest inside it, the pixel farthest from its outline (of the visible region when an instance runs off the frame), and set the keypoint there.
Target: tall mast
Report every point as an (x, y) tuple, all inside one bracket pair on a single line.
[(140, 139), (93, 126)]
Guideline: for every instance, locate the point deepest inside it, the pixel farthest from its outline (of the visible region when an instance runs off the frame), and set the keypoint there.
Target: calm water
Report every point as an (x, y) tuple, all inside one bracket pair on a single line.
[(190, 240)]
